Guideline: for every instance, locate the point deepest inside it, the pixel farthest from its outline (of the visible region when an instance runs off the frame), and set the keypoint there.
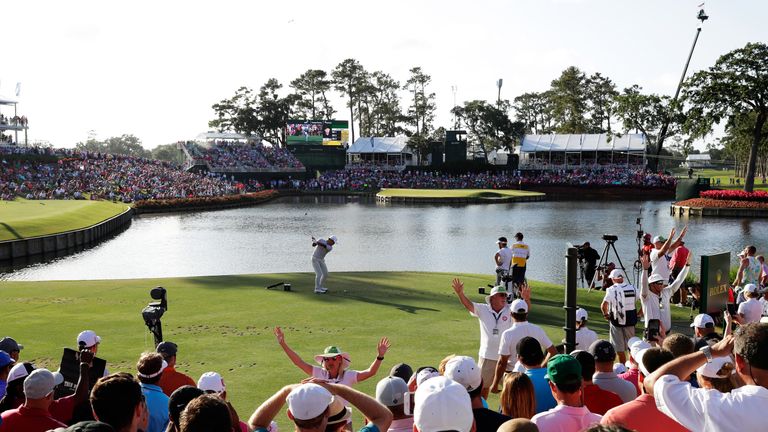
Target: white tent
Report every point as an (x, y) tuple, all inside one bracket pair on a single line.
[(385, 151), (698, 160), (578, 150)]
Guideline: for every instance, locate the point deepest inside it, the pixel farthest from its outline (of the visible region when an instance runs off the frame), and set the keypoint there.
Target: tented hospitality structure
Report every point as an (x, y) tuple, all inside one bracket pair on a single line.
[(387, 152), (549, 152)]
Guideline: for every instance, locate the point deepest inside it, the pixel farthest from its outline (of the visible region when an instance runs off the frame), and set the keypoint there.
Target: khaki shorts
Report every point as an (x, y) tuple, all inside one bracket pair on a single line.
[(487, 370), (619, 336)]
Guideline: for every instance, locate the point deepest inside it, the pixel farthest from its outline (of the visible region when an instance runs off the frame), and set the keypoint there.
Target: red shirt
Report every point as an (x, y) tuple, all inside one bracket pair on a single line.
[(679, 257), (28, 420), (170, 380), (62, 409), (642, 415), (632, 375), (598, 401)]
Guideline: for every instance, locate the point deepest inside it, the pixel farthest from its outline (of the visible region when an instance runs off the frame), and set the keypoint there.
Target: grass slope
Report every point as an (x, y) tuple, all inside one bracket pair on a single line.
[(456, 193), (224, 323), (723, 175), (22, 218)]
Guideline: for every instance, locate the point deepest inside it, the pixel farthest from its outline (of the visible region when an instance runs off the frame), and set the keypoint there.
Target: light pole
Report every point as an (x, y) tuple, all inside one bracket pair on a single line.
[(701, 16), (454, 89), (498, 98)]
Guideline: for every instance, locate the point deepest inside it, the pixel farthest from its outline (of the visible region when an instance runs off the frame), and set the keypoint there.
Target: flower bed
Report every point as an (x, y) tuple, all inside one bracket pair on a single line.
[(722, 203), (735, 195), (197, 202)]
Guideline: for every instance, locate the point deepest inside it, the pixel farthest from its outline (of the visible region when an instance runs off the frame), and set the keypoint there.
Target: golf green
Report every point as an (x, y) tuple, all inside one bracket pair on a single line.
[(225, 323), (22, 218)]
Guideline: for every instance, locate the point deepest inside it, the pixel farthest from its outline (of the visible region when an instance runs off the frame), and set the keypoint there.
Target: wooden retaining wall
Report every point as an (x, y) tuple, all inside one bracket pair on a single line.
[(682, 211), (463, 200), (69, 240)]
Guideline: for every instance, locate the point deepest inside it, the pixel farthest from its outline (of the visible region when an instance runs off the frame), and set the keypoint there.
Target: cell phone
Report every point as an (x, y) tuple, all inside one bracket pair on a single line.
[(653, 330), (408, 403)]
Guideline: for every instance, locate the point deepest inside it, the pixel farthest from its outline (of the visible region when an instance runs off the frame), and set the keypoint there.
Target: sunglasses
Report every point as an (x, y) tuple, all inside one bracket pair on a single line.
[(325, 359)]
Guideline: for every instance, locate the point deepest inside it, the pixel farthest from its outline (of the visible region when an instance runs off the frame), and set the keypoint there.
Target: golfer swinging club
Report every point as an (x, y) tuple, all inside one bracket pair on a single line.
[(322, 248)]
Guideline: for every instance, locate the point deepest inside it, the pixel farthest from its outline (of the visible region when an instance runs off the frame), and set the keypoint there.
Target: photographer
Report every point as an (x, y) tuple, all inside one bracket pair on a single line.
[(590, 256)]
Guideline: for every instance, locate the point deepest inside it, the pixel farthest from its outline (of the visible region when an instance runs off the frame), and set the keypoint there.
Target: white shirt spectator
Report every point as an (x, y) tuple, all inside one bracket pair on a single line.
[(511, 337), (621, 301), (563, 418), (660, 264), (506, 258), (709, 410), (752, 310), (584, 338), (657, 306), (490, 320)]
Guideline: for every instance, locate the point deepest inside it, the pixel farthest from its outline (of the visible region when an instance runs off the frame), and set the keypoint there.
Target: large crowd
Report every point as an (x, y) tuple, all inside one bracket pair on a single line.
[(229, 156), (363, 179), (81, 175), (665, 379)]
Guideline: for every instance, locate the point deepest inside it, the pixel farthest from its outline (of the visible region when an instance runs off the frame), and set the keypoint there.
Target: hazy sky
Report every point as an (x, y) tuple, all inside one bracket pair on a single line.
[(154, 68)]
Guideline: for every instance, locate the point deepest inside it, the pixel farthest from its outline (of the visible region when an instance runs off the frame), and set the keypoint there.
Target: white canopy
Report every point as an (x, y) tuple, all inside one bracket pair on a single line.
[(390, 145), (207, 136), (703, 157), (6, 101), (583, 142)]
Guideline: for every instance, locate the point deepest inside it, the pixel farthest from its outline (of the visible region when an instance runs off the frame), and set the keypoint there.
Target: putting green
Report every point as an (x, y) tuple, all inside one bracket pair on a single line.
[(26, 218), (225, 323), (457, 193)]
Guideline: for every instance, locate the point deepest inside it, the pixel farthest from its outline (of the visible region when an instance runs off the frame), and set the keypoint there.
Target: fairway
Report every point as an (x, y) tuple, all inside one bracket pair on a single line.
[(31, 218), (224, 323), (457, 193)]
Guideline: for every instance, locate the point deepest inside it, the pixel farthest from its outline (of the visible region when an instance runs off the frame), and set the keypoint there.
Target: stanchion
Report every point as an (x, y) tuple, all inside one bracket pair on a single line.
[(571, 276)]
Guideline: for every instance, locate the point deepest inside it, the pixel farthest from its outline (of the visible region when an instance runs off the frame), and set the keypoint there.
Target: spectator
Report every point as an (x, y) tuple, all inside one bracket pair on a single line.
[(442, 405), (719, 374), (14, 394), (704, 331), (696, 409), (596, 399), (618, 307), (171, 379), (605, 377), (750, 310), (391, 392), (6, 363), (642, 414), (659, 257), (150, 366), (570, 414), (656, 292), (584, 336), (679, 259), (402, 370), (464, 371), (529, 354), (117, 400), (632, 375), (179, 400), (206, 413), (517, 398), (34, 416), (494, 319), (678, 344), (510, 338), (10, 346), (309, 407), (212, 382), (749, 268), (519, 425)]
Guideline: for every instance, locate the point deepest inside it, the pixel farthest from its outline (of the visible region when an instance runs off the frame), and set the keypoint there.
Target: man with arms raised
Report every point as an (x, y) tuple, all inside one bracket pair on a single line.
[(494, 319)]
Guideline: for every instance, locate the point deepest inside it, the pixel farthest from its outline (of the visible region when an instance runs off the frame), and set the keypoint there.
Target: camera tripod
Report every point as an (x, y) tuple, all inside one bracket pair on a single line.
[(602, 265)]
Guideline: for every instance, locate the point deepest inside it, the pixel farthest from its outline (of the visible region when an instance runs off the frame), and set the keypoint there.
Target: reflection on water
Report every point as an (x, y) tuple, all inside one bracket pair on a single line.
[(276, 238)]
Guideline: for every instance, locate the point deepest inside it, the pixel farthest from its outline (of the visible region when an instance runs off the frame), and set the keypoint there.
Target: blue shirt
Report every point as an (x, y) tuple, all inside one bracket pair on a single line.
[(157, 404), (544, 399)]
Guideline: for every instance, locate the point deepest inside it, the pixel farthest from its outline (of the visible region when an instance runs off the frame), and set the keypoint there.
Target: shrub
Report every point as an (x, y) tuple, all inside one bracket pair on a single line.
[(737, 195)]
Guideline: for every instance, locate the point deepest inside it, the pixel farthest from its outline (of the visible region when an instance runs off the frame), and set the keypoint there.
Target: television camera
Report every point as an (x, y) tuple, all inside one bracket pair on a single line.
[(154, 311)]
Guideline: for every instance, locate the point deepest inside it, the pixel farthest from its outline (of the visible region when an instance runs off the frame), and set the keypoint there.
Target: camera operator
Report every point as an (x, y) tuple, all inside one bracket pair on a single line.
[(590, 256), (502, 258)]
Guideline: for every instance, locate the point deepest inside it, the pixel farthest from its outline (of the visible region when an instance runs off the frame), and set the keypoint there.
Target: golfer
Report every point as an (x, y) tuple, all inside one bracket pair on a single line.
[(322, 248)]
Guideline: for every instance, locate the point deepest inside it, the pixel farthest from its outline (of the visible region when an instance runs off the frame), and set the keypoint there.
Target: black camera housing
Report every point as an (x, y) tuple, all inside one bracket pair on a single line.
[(609, 237), (154, 311)]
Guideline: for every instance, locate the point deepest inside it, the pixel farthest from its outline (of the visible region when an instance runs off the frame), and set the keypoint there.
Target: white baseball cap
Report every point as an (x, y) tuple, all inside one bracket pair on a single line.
[(703, 321), (425, 374), (615, 273), (752, 288), (442, 405), (655, 278), (40, 383), (464, 371), (581, 314), (390, 391), (519, 305), (211, 381), (308, 401), (711, 369), (88, 337), (20, 370), (335, 240), (658, 239)]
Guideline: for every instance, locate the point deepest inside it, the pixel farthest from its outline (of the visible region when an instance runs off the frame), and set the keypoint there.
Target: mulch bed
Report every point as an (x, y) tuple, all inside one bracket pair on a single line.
[(716, 203)]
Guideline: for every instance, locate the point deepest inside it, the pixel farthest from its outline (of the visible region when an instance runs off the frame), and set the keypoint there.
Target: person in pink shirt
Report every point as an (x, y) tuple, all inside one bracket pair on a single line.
[(642, 414)]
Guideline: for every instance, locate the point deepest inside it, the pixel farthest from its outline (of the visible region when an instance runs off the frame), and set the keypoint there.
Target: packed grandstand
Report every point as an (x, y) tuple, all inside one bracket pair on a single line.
[(233, 156)]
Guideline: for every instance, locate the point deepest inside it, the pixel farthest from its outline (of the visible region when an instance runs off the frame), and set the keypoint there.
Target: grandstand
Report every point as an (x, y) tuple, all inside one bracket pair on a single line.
[(11, 123), (228, 153)]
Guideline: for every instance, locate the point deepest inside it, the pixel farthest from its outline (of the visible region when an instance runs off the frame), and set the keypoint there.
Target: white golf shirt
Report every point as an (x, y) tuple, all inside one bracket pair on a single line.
[(657, 307), (492, 326), (511, 337)]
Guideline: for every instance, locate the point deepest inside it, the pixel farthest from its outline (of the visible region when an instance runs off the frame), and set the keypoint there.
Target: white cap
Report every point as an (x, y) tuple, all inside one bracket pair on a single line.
[(711, 369), (658, 239), (619, 368), (702, 320), (390, 391), (655, 278), (519, 305), (442, 405), (308, 401), (464, 371), (426, 374), (211, 381), (581, 314), (615, 273), (88, 337), (752, 288), (17, 371), (335, 240), (40, 383)]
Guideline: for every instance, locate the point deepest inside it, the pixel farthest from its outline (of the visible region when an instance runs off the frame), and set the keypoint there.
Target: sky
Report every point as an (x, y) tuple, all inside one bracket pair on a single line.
[(154, 68)]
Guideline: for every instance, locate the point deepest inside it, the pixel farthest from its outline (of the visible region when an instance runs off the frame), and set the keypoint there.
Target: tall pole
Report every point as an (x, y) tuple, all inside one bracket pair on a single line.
[(498, 98), (702, 16), (571, 281)]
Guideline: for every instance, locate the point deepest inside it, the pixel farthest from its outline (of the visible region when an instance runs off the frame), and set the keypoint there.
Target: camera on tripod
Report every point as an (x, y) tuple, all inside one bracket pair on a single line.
[(610, 238), (154, 311)]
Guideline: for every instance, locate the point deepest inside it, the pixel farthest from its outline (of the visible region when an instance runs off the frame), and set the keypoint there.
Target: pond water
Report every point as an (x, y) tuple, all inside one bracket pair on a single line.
[(276, 238)]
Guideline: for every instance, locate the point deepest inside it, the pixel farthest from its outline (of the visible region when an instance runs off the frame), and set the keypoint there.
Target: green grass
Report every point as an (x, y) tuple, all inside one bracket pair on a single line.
[(225, 323), (22, 218), (457, 193), (723, 175)]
